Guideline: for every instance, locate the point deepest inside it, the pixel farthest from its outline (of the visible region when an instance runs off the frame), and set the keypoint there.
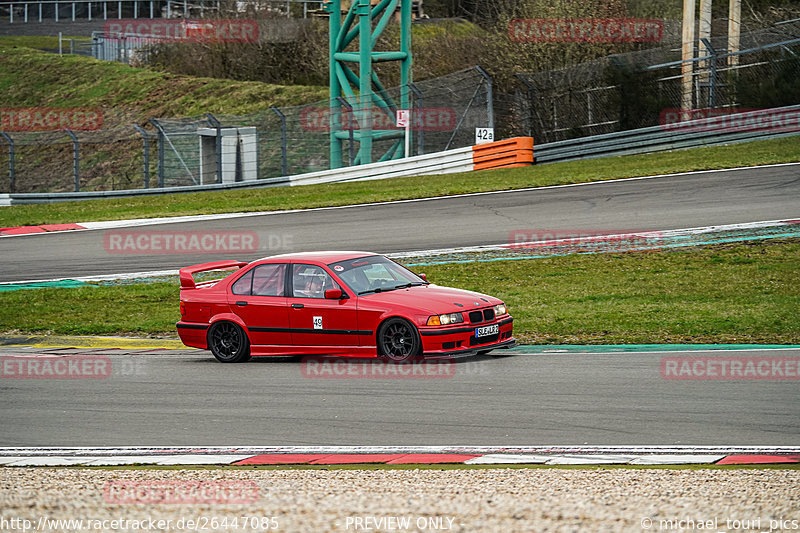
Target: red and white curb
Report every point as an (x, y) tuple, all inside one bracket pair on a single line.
[(393, 455), (45, 228)]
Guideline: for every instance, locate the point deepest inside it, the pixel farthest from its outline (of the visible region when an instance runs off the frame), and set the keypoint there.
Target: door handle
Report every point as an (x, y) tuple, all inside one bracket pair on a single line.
[(298, 306), (241, 303)]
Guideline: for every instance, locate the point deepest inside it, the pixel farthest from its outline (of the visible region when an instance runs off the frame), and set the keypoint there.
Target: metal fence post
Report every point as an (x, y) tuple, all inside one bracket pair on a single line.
[(284, 160), (146, 153), (489, 97), (712, 78), (218, 125), (531, 99), (161, 142), (418, 103), (349, 108), (75, 159), (11, 177)]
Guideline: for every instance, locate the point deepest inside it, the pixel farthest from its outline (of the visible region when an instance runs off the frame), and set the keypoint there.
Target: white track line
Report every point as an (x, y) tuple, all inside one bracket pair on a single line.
[(598, 238), (553, 450), (466, 249), (104, 277)]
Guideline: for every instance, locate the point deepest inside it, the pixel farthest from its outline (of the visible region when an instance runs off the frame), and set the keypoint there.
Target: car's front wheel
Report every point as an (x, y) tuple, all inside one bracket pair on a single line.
[(228, 342), (398, 341)]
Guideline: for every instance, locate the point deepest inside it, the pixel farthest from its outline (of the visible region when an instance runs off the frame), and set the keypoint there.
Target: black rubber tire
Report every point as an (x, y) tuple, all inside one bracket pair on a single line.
[(228, 343), (398, 341)]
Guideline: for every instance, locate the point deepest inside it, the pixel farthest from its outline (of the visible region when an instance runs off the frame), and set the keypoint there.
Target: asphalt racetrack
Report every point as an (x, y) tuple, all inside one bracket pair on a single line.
[(663, 203), (186, 398)]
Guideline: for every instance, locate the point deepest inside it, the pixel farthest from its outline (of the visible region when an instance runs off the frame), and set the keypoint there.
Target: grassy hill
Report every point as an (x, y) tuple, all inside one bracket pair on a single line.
[(31, 77)]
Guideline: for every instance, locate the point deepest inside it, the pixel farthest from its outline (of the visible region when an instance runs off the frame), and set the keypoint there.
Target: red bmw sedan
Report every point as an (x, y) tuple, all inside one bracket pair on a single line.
[(335, 303)]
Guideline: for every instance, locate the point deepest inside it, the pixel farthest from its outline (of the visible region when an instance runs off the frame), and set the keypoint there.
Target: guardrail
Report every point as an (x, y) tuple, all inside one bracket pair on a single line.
[(506, 153), (719, 129)]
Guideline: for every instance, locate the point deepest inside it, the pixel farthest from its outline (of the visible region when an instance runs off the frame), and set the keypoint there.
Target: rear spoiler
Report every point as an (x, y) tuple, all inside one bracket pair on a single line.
[(187, 273)]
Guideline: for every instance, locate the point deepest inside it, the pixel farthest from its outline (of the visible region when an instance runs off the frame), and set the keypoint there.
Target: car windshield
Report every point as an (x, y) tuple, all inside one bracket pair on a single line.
[(375, 274)]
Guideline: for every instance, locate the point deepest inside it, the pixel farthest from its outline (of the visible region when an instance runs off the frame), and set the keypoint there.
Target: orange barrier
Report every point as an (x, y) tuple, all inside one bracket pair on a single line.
[(515, 152)]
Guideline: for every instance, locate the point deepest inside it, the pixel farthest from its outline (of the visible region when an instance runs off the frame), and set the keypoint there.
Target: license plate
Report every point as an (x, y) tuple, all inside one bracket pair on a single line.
[(485, 331)]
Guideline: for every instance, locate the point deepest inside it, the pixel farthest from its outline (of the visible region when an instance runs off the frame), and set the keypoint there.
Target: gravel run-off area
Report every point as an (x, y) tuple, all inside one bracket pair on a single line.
[(497, 499)]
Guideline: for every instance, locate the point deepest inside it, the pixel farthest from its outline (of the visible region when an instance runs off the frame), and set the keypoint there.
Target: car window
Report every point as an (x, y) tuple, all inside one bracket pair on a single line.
[(243, 285), (374, 273), (311, 281), (378, 272), (263, 280), (269, 280)]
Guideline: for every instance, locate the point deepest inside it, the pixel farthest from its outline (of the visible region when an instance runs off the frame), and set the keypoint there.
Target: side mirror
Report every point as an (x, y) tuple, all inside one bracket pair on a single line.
[(333, 294), (423, 276)]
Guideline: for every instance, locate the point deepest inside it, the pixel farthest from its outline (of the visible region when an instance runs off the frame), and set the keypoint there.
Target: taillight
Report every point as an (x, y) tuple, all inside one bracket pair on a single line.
[(183, 309)]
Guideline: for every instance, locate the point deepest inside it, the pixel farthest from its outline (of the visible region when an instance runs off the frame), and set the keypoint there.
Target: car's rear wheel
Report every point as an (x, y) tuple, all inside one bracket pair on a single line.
[(398, 341), (228, 342)]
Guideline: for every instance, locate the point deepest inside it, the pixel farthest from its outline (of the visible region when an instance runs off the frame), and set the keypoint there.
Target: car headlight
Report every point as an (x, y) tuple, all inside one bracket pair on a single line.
[(500, 310), (444, 320)]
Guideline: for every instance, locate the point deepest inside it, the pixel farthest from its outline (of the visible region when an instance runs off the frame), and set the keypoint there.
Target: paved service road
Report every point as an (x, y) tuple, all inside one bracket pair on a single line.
[(186, 398), (681, 201)]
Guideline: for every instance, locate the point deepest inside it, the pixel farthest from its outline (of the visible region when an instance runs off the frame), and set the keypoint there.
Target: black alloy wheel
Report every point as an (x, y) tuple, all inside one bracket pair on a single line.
[(398, 341), (228, 343)]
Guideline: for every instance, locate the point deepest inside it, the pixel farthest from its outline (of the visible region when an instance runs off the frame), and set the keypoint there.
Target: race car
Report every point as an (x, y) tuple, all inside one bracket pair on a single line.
[(335, 303)]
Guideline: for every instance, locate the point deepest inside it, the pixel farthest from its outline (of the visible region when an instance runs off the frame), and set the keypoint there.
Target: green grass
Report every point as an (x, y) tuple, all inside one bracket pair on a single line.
[(743, 293), (136, 309), (34, 78), (265, 199), (40, 42)]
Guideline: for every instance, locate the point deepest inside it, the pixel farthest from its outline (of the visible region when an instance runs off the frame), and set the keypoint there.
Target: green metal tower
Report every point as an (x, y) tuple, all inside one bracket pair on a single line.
[(356, 93)]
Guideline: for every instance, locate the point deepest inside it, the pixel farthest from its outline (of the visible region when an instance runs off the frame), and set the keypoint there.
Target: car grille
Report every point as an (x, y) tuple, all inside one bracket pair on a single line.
[(474, 341), (480, 316)]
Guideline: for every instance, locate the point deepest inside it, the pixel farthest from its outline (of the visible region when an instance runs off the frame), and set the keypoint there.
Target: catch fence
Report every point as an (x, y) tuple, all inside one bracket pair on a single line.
[(219, 148), (642, 89)]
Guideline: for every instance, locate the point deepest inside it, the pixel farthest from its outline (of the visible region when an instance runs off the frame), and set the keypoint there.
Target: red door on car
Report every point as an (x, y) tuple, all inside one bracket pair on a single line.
[(315, 320), (259, 298)]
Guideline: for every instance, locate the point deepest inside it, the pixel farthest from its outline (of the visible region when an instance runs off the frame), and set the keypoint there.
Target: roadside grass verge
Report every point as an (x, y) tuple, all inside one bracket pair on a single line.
[(784, 150), (735, 293)]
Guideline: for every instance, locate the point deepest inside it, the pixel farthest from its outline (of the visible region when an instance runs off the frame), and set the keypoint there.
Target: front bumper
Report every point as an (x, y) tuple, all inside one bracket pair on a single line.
[(460, 339), (472, 351)]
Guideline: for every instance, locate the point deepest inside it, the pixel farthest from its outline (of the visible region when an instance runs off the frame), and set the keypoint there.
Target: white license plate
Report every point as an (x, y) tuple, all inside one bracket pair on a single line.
[(485, 331)]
